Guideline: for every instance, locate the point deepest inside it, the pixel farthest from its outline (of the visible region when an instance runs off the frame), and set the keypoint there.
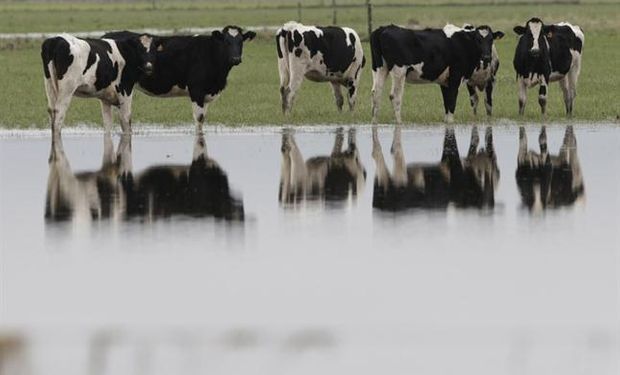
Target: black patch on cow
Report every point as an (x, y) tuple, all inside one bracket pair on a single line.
[(298, 52), (337, 55), (58, 51), (92, 57), (543, 90)]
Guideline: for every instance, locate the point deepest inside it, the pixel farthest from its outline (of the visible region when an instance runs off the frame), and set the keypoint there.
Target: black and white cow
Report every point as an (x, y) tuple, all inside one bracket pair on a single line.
[(545, 180), (467, 182), (548, 53), (196, 66), (483, 77), (98, 68), (200, 189), (445, 56), (332, 178), (321, 54)]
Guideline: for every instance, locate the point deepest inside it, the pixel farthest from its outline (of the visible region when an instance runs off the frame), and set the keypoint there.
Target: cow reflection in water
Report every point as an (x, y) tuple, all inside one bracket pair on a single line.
[(198, 189), (549, 181), (468, 182), (332, 178)]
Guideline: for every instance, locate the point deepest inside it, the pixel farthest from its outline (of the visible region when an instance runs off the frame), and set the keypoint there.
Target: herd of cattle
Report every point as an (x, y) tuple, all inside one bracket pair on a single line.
[(198, 66), (201, 188)]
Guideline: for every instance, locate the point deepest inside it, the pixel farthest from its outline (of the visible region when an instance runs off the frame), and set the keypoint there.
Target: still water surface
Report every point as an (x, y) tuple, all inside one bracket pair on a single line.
[(335, 250)]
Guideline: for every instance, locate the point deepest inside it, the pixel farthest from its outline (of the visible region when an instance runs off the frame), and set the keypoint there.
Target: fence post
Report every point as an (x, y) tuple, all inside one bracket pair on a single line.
[(334, 13), (299, 11), (369, 8)]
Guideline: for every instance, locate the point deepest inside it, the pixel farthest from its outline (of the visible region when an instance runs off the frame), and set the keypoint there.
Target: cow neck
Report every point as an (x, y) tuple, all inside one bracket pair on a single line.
[(219, 66), (467, 47)]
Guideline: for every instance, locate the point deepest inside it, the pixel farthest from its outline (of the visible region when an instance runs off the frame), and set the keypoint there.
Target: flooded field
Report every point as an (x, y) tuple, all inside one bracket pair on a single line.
[(319, 250)]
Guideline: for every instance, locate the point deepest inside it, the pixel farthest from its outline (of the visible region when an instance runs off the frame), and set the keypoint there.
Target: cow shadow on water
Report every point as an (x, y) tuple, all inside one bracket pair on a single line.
[(549, 181), (333, 179), (200, 189), (468, 182)]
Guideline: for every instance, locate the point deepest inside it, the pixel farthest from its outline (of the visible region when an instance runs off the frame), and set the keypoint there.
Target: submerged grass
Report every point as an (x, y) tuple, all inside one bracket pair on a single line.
[(252, 96)]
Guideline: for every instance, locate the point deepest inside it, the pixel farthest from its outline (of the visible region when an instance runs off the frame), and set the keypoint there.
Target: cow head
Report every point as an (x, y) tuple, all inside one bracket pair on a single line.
[(483, 37), (232, 38), (146, 47), (533, 34)]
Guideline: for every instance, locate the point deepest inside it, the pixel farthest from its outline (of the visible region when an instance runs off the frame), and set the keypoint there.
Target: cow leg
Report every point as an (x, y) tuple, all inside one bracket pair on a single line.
[(108, 151), (106, 114), (488, 142), (51, 100), (522, 95), (378, 80), (473, 98), (398, 87), (449, 94), (400, 166), (124, 157), (200, 147), (542, 96), (338, 95), (473, 142), (124, 111), (450, 151), (352, 146), (338, 141), (382, 176), (296, 79), (283, 70), (564, 85), (542, 142), (60, 108), (522, 146), (488, 90), (199, 109)]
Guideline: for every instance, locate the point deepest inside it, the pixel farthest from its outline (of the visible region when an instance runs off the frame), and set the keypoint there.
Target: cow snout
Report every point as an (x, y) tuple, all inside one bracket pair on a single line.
[(535, 52), (486, 59), (148, 68), (235, 60)]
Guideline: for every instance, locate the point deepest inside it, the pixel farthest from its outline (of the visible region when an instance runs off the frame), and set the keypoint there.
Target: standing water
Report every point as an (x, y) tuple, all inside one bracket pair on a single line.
[(391, 250)]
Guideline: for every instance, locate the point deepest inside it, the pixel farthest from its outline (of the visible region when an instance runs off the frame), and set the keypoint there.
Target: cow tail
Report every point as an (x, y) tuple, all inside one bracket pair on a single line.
[(282, 48), (376, 52), (47, 55)]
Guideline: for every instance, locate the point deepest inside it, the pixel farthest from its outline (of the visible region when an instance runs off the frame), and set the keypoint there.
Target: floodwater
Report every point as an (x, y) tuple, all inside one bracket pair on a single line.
[(320, 250)]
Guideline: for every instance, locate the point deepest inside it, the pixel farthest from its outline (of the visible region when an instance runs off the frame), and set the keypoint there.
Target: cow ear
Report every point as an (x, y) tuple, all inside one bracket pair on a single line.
[(520, 30), (549, 30), (498, 35), (249, 35), (216, 34)]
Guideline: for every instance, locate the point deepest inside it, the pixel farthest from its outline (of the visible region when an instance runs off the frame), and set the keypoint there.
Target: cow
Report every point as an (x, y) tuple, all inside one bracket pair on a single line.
[(196, 66), (321, 54), (95, 68), (332, 178), (468, 182), (549, 181), (444, 56), (113, 191), (483, 78), (89, 195), (548, 53)]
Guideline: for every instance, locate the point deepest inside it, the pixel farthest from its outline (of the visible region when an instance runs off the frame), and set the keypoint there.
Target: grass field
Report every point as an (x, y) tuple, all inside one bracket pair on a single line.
[(252, 96)]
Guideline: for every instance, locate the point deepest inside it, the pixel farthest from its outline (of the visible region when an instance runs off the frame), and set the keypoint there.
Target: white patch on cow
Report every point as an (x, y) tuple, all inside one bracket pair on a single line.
[(576, 29), (233, 32), (483, 32), (146, 42), (450, 29), (535, 28), (415, 75)]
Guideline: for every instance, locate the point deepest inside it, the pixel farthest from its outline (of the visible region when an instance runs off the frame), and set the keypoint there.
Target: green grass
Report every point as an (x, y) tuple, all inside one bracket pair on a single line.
[(252, 96)]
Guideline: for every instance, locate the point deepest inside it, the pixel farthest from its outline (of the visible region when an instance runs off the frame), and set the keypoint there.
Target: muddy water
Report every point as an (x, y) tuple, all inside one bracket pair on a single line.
[(312, 250)]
